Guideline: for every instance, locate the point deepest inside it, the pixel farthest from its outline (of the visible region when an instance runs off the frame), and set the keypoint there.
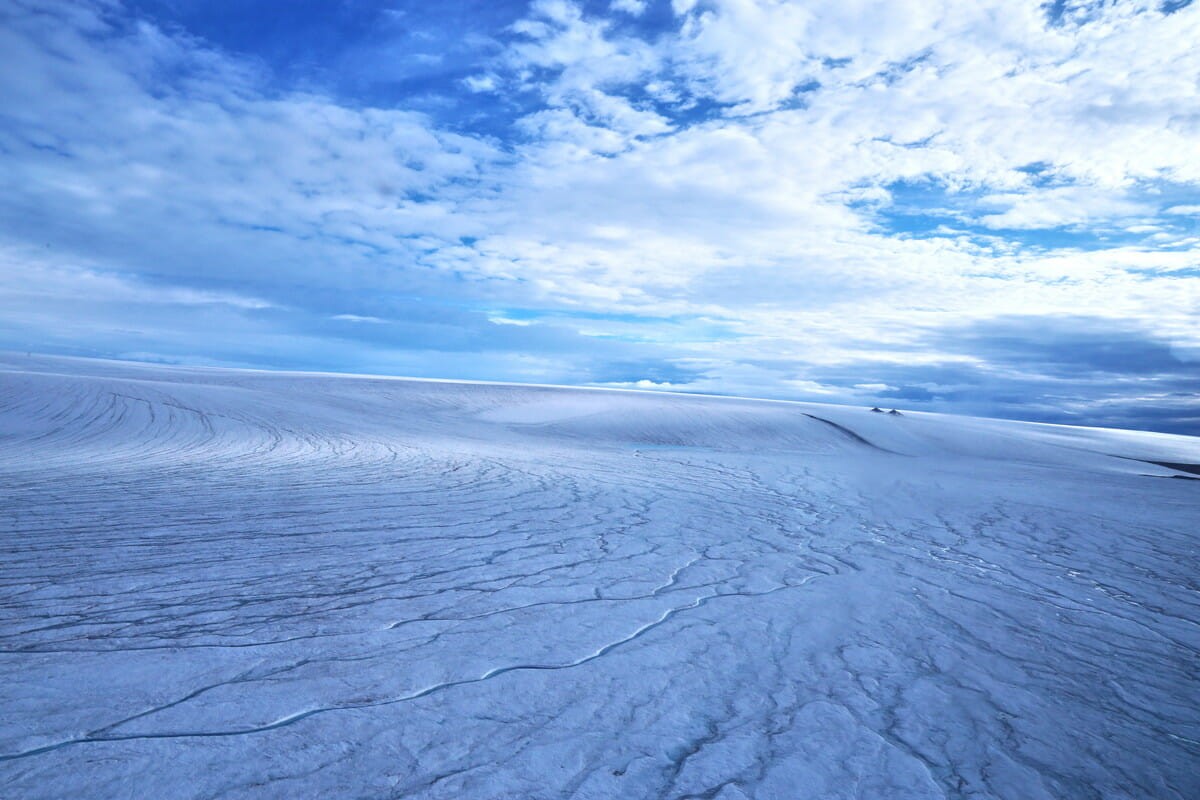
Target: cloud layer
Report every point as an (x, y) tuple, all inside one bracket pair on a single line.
[(988, 207)]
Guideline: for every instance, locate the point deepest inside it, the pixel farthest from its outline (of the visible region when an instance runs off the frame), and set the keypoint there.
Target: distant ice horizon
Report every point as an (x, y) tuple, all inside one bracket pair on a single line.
[(649, 389)]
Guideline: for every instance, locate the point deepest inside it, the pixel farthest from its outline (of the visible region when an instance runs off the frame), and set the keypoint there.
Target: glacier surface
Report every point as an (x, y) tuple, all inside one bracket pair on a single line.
[(232, 584)]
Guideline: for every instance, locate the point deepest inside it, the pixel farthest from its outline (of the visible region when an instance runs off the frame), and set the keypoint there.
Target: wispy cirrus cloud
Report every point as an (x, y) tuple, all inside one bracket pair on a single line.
[(730, 195)]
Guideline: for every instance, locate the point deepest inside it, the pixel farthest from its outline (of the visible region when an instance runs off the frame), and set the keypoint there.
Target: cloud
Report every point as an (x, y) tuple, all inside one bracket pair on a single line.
[(480, 83), (746, 196), (1071, 347), (1055, 207), (1069, 369), (358, 318), (634, 8)]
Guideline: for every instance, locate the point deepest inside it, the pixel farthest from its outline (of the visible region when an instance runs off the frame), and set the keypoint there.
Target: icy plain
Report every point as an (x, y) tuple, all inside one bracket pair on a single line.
[(247, 585)]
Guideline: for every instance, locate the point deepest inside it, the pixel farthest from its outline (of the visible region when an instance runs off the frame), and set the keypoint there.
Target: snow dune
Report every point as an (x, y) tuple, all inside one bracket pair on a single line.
[(234, 584)]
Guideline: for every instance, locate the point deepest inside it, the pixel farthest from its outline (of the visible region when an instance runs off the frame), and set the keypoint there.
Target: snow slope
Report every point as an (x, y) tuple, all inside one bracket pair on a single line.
[(236, 584)]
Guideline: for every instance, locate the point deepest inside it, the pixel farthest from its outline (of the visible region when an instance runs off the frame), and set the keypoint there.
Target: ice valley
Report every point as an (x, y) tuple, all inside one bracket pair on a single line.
[(233, 584)]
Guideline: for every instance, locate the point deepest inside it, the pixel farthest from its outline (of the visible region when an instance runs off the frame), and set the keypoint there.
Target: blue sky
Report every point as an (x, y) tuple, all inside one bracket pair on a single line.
[(989, 208)]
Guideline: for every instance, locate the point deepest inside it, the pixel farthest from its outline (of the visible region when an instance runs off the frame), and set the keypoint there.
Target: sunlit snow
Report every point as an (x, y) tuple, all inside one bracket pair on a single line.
[(237, 584)]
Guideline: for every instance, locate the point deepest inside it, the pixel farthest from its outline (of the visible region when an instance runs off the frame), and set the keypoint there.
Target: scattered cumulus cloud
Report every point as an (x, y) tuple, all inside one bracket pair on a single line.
[(983, 206)]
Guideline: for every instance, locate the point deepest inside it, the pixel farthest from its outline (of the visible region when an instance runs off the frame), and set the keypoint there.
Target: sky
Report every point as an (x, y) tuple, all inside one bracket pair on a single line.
[(987, 208)]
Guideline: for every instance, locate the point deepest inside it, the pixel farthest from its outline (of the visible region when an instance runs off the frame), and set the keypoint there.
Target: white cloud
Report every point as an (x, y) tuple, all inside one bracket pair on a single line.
[(480, 83), (358, 318), (1054, 207), (736, 167), (634, 8)]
